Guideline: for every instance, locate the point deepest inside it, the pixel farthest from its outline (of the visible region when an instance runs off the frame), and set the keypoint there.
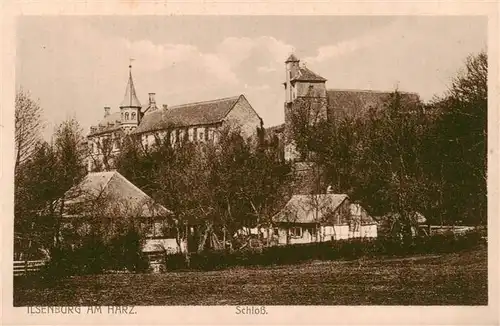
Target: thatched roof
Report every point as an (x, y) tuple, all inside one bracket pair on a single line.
[(113, 190), (309, 208)]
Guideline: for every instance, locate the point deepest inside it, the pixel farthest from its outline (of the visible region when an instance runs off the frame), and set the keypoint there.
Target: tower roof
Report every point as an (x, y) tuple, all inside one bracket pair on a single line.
[(292, 58), (130, 99), (305, 74)]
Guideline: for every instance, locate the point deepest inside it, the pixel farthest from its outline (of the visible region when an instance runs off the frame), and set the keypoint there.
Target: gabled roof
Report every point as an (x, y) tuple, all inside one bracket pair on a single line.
[(357, 103), (199, 113), (130, 99), (305, 74), (309, 208), (113, 189)]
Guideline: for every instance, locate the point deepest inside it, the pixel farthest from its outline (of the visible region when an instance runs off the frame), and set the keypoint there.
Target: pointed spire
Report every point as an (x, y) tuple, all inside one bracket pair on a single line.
[(130, 99)]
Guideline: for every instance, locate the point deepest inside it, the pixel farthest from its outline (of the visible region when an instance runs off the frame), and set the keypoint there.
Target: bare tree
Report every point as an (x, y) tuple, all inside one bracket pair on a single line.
[(27, 126)]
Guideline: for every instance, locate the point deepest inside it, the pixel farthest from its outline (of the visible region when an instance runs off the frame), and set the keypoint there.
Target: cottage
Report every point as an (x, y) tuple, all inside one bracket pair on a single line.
[(108, 202), (321, 217)]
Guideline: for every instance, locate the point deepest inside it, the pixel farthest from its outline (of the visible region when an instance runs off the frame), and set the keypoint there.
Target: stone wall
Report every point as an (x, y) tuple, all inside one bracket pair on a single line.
[(244, 117)]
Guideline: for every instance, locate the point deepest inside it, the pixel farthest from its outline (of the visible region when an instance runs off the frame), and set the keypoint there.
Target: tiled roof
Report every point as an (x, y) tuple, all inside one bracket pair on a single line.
[(358, 102), (199, 113), (108, 124), (116, 189), (304, 74), (309, 208)]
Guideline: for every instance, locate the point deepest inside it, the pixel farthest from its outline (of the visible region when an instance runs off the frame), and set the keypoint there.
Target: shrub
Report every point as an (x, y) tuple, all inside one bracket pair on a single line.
[(341, 249), (125, 252)]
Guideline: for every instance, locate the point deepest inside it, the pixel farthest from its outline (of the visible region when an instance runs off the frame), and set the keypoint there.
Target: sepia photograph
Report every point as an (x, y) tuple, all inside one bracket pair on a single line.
[(250, 161)]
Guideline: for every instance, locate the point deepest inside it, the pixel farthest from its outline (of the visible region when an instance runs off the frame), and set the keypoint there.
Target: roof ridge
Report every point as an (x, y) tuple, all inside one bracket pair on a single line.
[(109, 179), (206, 102), (367, 90), (119, 175)]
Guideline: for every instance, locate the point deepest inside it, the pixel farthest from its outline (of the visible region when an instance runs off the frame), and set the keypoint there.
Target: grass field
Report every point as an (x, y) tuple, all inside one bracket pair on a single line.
[(448, 279)]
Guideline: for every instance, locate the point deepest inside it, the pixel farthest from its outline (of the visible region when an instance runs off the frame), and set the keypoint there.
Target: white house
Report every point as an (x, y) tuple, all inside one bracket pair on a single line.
[(108, 200), (321, 217)]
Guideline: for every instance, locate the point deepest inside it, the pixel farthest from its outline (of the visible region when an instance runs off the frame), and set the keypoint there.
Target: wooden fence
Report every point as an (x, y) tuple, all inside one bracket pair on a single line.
[(25, 267)]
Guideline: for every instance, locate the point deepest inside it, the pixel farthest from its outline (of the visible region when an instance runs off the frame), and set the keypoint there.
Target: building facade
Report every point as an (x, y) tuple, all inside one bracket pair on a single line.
[(193, 122)]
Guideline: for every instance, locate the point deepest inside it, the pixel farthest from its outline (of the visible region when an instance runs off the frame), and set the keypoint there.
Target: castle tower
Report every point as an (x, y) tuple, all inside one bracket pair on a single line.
[(130, 107), (291, 69), (305, 94)]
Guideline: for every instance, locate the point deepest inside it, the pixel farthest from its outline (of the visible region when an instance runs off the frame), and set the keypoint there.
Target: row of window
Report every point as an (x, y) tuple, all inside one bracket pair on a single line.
[(201, 134), (126, 116)]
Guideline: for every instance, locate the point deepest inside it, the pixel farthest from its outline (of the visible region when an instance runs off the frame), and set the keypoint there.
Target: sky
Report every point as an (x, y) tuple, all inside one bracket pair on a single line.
[(74, 66)]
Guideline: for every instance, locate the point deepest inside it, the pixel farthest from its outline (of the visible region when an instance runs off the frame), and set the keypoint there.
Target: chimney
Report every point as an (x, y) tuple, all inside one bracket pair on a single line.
[(106, 111), (165, 107), (152, 100)]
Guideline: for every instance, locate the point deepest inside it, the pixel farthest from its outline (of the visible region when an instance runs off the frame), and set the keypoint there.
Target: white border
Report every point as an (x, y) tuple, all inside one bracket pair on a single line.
[(354, 315)]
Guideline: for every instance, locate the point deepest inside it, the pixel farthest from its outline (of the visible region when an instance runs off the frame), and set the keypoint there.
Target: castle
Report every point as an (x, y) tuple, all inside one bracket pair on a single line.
[(194, 122), (202, 121), (305, 86)]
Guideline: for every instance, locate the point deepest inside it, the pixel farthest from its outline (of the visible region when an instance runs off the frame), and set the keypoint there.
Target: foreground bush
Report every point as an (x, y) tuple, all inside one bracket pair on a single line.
[(340, 249), (94, 256)]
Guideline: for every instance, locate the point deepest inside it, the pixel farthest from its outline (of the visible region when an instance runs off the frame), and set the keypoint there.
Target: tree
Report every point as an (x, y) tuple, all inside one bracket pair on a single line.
[(34, 190), (305, 116), (52, 169), (459, 144), (27, 127)]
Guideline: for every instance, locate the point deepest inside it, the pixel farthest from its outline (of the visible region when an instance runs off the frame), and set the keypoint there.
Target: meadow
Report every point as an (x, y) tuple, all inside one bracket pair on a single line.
[(433, 279)]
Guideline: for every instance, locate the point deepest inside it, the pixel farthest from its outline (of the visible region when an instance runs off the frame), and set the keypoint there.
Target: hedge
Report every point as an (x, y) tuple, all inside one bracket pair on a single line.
[(93, 256), (333, 250)]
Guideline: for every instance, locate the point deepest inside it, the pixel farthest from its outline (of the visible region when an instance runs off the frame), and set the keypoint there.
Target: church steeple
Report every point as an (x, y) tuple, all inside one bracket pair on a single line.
[(130, 107), (130, 100)]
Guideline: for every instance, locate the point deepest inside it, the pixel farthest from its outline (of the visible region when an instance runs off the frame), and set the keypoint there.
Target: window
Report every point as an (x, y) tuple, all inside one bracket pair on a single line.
[(195, 134), (126, 115), (296, 232), (190, 134), (122, 115), (206, 134), (276, 231), (172, 137), (201, 134), (133, 115)]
